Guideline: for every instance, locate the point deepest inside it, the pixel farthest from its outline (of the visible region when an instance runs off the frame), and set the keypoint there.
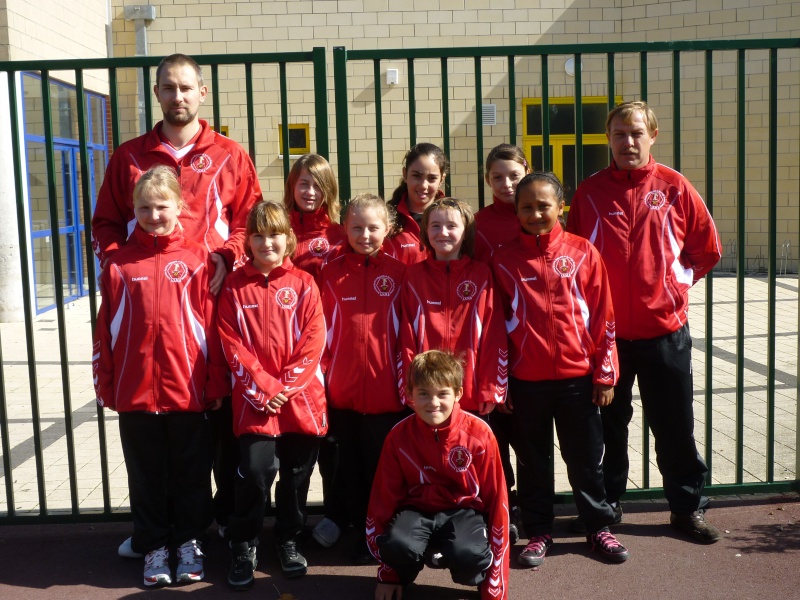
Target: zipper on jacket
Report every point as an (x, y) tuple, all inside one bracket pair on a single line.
[(156, 336), (436, 435), (447, 309), (551, 335), (364, 328)]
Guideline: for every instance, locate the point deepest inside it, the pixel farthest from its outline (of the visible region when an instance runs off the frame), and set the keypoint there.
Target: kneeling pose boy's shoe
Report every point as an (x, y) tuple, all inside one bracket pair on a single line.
[(293, 564), (326, 533), (243, 566), (156, 567), (533, 554), (190, 562), (605, 543), (125, 550)]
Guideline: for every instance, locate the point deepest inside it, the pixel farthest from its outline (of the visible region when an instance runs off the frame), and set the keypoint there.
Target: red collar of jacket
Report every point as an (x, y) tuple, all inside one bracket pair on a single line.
[(452, 266), (362, 260), (158, 243), (443, 431), (203, 141), (636, 176), (304, 223), (251, 271), (542, 243), (504, 209)]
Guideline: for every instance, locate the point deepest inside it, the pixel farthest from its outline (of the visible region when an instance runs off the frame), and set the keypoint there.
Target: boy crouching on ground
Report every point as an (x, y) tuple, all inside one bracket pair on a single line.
[(439, 496)]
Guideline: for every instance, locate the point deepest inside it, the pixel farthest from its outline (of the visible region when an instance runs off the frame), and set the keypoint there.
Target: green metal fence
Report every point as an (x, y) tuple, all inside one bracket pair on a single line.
[(712, 58)]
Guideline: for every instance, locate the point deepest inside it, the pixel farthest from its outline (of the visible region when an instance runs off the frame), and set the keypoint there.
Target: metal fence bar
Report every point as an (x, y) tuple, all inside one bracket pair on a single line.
[(676, 110), (251, 123), (376, 78), (412, 104), (321, 101), (446, 118), (546, 163), (741, 264), (215, 97), (284, 120), (148, 99), (479, 129), (578, 120), (772, 243), (342, 125), (512, 101), (709, 283)]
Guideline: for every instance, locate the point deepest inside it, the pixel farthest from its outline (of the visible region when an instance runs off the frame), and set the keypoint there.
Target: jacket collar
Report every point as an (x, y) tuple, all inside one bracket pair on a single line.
[(251, 271), (504, 209), (443, 431), (441, 266), (204, 140), (636, 176), (354, 258), (303, 222), (543, 243), (158, 243)]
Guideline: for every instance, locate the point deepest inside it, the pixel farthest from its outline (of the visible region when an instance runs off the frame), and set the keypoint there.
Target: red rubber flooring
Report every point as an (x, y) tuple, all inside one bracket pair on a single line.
[(758, 557)]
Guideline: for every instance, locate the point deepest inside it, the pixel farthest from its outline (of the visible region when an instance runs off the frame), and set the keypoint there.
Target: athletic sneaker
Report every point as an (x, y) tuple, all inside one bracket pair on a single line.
[(243, 566), (293, 564), (515, 518), (190, 563), (605, 543), (156, 567), (326, 533), (125, 550), (533, 554)]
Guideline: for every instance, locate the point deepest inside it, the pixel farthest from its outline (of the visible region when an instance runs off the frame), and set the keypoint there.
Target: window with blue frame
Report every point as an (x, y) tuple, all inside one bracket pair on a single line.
[(67, 167)]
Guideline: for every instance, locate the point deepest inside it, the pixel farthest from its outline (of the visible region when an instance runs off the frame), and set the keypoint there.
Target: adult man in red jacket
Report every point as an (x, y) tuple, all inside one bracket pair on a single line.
[(657, 239), (219, 185)]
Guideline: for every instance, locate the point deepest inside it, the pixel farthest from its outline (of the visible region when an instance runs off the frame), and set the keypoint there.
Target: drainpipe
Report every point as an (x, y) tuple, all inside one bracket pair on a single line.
[(140, 14)]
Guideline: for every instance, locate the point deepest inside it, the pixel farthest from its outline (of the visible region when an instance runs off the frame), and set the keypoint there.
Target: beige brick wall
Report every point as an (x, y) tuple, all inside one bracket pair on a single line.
[(51, 29), (273, 26)]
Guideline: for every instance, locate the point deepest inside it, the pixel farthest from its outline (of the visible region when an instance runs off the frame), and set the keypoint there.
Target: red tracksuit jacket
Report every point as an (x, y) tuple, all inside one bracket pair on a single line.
[(156, 348), (360, 299), (406, 246), (318, 240), (218, 181), (657, 239), (451, 305), (434, 470), (273, 333), (495, 226), (559, 315)]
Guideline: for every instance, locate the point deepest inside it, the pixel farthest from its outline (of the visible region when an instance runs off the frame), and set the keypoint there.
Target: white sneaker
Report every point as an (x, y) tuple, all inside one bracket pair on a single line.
[(125, 550), (190, 563), (156, 567), (326, 533)]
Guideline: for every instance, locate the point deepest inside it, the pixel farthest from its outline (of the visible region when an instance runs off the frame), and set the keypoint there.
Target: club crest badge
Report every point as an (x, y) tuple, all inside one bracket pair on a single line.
[(200, 163), (319, 247), (176, 271), (459, 459), (466, 290), (286, 298), (564, 266), (384, 285), (655, 199)]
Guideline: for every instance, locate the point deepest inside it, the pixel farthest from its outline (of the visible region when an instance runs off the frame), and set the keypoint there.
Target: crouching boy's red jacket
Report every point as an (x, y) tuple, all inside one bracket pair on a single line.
[(438, 469)]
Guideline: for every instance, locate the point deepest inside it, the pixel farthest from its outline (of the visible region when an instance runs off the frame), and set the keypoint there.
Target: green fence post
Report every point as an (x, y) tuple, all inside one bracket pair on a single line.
[(321, 102), (709, 312), (772, 242), (512, 103), (741, 166), (285, 146), (479, 128), (376, 80), (342, 126), (446, 119)]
